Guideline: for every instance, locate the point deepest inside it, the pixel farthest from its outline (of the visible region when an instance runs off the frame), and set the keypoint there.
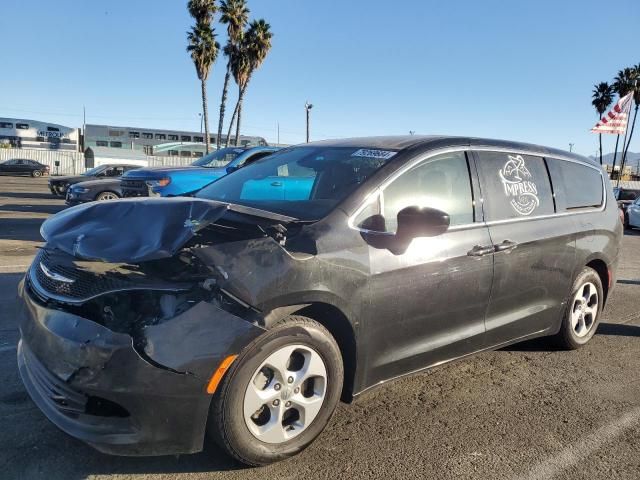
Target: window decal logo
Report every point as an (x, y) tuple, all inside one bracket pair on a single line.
[(518, 185)]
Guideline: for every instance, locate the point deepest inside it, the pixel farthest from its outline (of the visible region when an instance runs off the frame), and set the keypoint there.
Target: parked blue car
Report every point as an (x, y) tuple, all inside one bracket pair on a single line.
[(175, 181)]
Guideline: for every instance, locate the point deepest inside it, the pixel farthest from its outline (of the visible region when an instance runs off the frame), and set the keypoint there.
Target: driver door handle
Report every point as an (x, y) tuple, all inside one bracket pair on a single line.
[(505, 246), (480, 250), (276, 184)]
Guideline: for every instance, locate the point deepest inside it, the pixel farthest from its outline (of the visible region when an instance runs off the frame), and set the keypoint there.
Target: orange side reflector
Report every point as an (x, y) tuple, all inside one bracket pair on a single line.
[(219, 373)]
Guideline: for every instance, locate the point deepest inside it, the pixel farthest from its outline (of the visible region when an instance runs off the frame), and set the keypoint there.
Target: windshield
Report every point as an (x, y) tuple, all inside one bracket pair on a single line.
[(304, 182), (219, 158), (94, 171)]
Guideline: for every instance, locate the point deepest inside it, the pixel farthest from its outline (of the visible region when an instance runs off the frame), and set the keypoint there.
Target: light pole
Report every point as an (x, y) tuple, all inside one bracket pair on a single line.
[(200, 115), (307, 106), (571, 147)]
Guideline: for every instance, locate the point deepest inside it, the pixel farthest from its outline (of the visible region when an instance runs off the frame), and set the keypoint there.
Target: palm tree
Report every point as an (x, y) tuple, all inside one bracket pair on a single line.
[(635, 79), (253, 50), (203, 49), (601, 99), (622, 85), (234, 14)]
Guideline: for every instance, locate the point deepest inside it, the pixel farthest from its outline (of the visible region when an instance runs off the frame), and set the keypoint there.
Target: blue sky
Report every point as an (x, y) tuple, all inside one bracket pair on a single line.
[(514, 70)]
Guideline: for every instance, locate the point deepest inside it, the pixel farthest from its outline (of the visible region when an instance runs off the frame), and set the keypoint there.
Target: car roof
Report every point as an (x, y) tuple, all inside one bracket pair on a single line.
[(429, 142)]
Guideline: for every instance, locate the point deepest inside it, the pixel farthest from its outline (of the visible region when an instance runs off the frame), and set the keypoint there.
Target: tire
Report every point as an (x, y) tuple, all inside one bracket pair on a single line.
[(581, 317), (302, 341), (36, 173), (103, 196)]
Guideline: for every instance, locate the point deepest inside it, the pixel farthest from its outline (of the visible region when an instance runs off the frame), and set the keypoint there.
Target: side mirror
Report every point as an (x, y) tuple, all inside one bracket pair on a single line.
[(416, 222)]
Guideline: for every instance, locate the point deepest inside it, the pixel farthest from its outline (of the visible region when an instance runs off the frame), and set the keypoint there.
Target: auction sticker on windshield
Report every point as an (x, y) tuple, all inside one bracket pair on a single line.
[(368, 153)]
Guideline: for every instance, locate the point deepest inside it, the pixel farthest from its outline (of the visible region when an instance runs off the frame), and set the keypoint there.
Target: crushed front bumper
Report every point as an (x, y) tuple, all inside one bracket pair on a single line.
[(93, 384)]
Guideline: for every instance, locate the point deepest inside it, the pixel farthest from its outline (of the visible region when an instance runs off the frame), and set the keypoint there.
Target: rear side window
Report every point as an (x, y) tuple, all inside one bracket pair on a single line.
[(514, 186), (576, 185)]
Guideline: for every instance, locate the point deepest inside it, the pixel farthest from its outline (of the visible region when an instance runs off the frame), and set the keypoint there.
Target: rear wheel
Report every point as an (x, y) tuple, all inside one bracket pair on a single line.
[(279, 394), (36, 173), (107, 196), (582, 315)]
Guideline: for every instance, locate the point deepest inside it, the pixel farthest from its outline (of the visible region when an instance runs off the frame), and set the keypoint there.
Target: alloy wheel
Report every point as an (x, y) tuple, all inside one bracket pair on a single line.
[(285, 394), (584, 309)]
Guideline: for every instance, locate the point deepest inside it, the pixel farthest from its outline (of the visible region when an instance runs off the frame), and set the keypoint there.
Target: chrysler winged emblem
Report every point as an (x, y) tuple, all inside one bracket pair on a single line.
[(55, 276)]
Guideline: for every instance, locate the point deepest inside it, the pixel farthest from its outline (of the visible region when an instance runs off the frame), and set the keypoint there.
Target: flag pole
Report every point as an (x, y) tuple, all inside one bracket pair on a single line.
[(626, 130)]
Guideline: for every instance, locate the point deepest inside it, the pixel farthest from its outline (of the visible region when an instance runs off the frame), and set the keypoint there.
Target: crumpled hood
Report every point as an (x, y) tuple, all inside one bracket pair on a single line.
[(131, 230)]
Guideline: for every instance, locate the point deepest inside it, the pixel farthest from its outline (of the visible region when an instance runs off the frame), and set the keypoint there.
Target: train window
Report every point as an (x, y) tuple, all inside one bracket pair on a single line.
[(116, 144), (53, 129), (116, 133), (102, 143), (198, 154), (134, 134), (186, 138), (147, 135), (185, 153), (173, 153), (161, 136), (198, 139), (173, 137), (6, 125), (22, 126)]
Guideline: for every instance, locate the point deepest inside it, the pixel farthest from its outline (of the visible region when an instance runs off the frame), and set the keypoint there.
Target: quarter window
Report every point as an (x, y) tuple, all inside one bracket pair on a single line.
[(514, 186), (577, 186), (441, 182)]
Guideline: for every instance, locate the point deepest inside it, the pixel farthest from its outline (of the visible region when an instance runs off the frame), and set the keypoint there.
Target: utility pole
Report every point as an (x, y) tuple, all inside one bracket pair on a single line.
[(200, 115), (307, 106), (570, 147)]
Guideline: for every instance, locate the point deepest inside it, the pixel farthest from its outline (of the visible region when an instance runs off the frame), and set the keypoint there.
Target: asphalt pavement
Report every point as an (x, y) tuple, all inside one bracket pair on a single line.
[(526, 412)]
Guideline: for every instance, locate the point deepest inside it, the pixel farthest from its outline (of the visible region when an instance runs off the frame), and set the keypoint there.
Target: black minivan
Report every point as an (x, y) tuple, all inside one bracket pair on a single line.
[(244, 314)]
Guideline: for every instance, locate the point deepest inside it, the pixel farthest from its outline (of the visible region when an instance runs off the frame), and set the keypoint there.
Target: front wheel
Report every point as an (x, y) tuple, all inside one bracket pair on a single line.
[(279, 394), (36, 173), (102, 196), (582, 315)]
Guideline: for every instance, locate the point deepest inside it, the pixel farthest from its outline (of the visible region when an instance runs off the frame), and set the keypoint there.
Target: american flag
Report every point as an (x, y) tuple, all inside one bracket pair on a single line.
[(615, 122)]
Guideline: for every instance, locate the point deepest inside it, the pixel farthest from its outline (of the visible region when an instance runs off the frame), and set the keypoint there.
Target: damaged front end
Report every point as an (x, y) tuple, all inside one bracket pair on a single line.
[(118, 344)]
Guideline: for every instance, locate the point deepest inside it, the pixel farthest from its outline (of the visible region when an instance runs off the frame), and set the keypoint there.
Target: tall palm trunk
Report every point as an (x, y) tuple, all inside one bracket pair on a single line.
[(615, 155), (223, 104), (626, 149), (233, 119), (205, 114), (600, 135), (240, 99)]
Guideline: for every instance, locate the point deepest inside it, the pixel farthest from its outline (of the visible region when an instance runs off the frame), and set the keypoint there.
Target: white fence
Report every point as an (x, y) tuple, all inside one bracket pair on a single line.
[(72, 163)]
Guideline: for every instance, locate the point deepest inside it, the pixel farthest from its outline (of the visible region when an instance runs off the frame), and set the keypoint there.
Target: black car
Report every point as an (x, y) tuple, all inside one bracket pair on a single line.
[(20, 166), (244, 316), (625, 197), (106, 189), (59, 185)]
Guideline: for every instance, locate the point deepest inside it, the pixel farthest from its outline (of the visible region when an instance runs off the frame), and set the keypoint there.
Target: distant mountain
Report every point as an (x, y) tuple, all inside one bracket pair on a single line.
[(607, 158)]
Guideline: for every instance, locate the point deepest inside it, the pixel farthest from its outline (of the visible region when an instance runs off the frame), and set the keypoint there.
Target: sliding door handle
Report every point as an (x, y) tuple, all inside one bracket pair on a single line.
[(505, 246), (480, 250)]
